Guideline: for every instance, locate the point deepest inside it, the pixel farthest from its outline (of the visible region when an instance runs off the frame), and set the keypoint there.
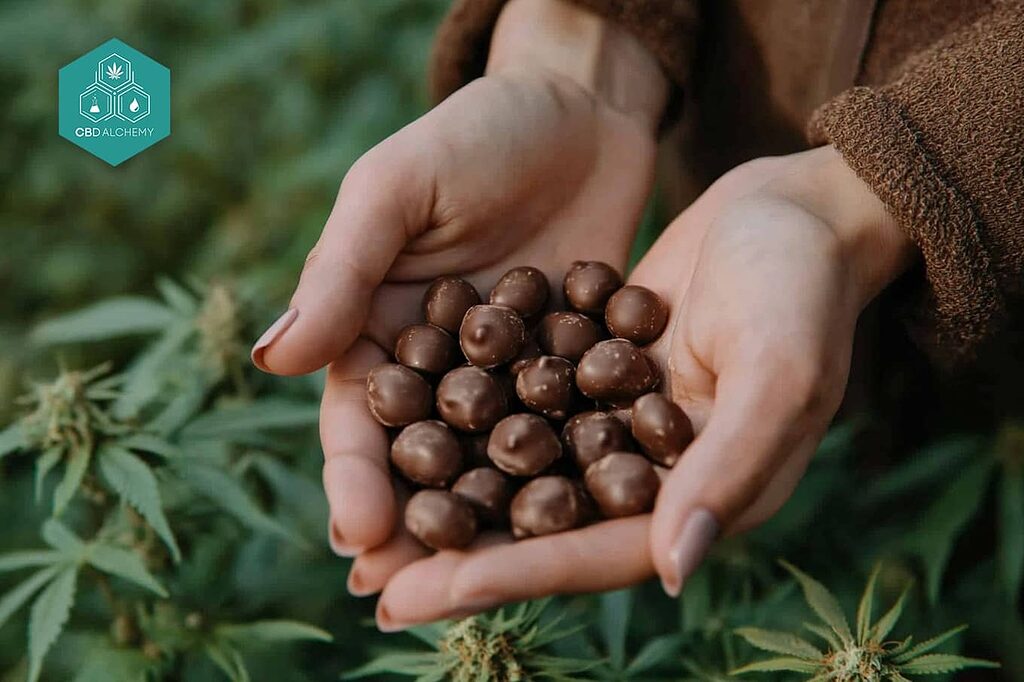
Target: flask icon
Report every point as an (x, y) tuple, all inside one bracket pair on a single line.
[(95, 108)]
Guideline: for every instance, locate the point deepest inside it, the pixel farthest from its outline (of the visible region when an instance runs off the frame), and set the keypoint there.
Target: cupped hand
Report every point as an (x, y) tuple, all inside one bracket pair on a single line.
[(767, 273)]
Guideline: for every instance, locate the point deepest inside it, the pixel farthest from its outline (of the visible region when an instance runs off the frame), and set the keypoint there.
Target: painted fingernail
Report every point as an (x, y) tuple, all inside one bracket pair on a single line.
[(272, 334), (690, 548), (384, 622), (338, 544), (356, 587)]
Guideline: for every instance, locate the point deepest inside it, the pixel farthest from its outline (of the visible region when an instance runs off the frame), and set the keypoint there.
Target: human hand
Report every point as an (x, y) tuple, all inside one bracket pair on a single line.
[(547, 159), (767, 273)]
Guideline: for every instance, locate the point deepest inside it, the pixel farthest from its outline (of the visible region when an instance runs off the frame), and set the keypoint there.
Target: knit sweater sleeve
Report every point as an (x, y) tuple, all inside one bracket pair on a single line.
[(667, 27), (943, 146)]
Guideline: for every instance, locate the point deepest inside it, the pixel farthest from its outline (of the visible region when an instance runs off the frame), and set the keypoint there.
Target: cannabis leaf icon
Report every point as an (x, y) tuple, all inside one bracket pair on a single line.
[(114, 72)]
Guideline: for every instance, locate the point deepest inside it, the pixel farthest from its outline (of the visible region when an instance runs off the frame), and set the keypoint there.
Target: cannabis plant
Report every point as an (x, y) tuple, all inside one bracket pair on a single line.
[(865, 654)]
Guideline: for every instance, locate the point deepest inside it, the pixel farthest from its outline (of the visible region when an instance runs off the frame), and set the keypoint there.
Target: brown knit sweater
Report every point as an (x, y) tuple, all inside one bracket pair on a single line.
[(924, 98)]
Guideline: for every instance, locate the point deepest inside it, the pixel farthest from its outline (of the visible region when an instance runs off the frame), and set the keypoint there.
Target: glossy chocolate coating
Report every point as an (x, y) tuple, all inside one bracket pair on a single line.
[(524, 289), (589, 436), (488, 491), (615, 371), (440, 519), (447, 300), (589, 284), (397, 396), (622, 484), (471, 400), (523, 445), (568, 335), (491, 335), (637, 314), (661, 428), (530, 351), (427, 453), (546, 386), (545, 505), (427, 348)]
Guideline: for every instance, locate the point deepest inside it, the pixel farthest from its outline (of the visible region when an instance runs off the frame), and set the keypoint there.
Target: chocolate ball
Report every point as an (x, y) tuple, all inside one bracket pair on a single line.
[(661, 428), (615, 371), (589, 436), (471, 400), (427, 453), (636, 313), (397, 395), (546, 386), (523, 289), (523, 445), (440, 519), (427, 348), (487, 490), (622, 484), (545, 505), (589, 284), (568, 335), (530, 351), (491, 335), (447, 300)]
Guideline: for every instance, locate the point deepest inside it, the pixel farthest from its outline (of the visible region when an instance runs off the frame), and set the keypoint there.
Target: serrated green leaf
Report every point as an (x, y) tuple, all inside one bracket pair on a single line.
[(780, 643), (268, 631), (936, 664), (148, 374), (12, 439), (74, 472), (122, 665), (887, 622), (243, 420), (60, 537), (866, 605), (228, 659), (654, 653), (695, 601), (825, 634), (402, 663), (133, 480), (16, 597), (144, 442), (822, 603), (16, 561), (121, 316), (928, 644), (926, 467), (123, 564), (177, 297), (44, 465), (49, 613), (1010, 550), (613, 621), (794, 665)]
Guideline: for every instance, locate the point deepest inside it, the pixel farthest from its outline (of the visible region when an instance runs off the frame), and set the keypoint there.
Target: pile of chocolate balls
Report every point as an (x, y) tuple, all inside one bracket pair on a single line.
[(506, 414)]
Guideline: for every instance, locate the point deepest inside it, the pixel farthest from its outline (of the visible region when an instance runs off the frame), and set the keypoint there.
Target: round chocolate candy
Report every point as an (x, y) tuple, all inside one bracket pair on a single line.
[(546, 386), (615, 371), (471, 400), (440, 519), (636, 313), (568, 335), (622, 484), (523, 289), (523, 445), (397, 396), (545, 505), (427, 453), (589, 436), (491, 335), (487, 490), (589, 284), (427, 348), (446, 301), (530, 351), (661, 428)]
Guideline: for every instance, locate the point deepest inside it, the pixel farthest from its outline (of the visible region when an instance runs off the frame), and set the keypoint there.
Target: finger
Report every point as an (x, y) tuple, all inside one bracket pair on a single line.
[(383, 200), (372, 570), (604, 556), (752, 429), (355, 476)]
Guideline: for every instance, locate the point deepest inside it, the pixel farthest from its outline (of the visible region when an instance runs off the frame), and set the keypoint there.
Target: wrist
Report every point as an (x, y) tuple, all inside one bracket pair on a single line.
[(555, 37)]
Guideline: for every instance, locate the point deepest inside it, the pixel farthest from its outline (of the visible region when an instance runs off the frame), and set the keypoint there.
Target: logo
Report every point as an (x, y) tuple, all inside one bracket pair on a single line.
[(114, 102)]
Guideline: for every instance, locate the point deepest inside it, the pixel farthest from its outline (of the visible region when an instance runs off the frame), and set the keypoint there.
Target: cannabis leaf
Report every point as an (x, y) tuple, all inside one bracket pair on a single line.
[(866, 656), (114, 72), (50, 612)]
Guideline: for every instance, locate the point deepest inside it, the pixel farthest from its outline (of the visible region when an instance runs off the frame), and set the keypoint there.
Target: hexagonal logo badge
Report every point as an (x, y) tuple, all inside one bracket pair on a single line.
[(114, 102)]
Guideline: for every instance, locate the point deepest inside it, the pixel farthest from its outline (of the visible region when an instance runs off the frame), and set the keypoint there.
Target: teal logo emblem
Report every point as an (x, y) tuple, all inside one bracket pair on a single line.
[(114, 102)]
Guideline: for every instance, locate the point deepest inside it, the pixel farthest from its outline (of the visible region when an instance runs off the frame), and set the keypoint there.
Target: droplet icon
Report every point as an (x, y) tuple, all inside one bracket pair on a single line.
[(134, 106)]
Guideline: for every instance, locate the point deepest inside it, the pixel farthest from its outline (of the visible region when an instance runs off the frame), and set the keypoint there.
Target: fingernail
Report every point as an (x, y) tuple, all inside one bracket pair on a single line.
[(690, 548), (273, 332), (384, 622), (356, 587), (338, 545)]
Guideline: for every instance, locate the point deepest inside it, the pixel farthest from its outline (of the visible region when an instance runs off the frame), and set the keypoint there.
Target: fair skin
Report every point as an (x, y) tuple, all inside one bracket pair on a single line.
[(549, 159)]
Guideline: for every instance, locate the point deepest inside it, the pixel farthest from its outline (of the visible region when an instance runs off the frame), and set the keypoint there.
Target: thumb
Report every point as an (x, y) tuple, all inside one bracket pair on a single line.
[(383, 200), (730, 467)]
